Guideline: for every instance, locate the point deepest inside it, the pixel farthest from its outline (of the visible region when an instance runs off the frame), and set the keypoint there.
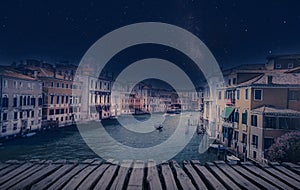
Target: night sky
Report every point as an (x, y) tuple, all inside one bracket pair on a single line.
[(235, 31)]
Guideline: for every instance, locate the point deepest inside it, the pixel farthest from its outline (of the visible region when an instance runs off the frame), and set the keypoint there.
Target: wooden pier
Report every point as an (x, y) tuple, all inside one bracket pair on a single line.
[(95, 174)]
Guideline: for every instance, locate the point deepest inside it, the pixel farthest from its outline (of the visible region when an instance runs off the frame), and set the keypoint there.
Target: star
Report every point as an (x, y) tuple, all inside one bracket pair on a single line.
[(270, 51), (284, 22), (246, 29)]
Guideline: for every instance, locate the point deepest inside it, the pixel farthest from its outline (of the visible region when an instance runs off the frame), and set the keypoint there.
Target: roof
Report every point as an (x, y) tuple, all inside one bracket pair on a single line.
[(268, 110), (44, 72), (259, 67), (9, 72), (279, 78)]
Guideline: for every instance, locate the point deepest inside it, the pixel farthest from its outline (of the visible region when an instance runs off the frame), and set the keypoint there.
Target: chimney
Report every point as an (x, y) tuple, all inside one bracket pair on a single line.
[(270, 78)]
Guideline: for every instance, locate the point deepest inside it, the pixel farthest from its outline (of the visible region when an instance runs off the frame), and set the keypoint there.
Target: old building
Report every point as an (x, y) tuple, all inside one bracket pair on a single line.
[(21, 102), (257, 105), (60, 107)]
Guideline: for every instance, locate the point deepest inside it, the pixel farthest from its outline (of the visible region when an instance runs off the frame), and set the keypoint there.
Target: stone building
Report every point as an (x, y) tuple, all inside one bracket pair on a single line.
[(21, 102), (257, 104)]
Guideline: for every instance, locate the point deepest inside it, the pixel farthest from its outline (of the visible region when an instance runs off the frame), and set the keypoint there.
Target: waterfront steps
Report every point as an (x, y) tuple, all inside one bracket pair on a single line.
[(97, 174)]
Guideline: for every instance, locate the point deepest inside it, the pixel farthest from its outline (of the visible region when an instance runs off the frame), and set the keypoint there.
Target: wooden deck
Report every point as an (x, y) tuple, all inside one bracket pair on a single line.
[(95, 174)]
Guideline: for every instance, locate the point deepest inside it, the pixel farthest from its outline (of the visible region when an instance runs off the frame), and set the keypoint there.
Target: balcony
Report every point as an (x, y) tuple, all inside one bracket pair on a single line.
[(228, 124), (244, 127)]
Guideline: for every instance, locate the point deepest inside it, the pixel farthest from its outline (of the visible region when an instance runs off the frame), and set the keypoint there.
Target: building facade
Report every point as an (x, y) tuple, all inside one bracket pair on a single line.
[(21, 103)]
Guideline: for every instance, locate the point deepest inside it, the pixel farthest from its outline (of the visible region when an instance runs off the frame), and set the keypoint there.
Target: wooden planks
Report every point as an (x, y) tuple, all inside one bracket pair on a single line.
[(221, 176), (93, 174), (266, 176), (18, 178), (233, 175), (108, 176), (153, 180), (193, 175), (210, 179), (50, 179), (137, 176), (93, 178), (183, 179), (281, 176), (35, 177), (168, 176), (65, 178), (122, 175), (78, 178), (258, 181)]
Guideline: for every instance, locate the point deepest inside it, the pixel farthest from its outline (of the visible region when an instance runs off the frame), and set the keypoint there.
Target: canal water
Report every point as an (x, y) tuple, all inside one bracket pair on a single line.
[(68, 143)]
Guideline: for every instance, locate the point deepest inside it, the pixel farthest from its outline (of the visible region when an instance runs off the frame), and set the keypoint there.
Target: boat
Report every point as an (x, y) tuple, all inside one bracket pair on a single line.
[(158, 127), (174, 109), (29, 134)]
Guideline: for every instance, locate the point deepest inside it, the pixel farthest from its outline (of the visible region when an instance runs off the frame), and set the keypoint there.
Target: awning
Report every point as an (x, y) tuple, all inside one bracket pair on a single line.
[(227, 112)]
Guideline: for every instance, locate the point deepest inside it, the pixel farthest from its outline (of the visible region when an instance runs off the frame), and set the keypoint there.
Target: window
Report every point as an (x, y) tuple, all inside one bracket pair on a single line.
[(244, 139), (28, 114), (57, 99), (236, 116), (254, 154), (57, 111), (5, 83), (15, 127), (40, 103), (52, 84), (21, 115), (270, 122), (62, 111), (255, 141), (32, 113), (15, 115), (229, 82), (21, 100), (234, 81), (257, 94), (33, 101), (244, 118), (238, 94), (67, 99), (15, 84), (67, 85), (62, 85), (5, 101), (290, 65), (220, 95), (236, 135), (246, 94), (15, 102), (278, 66), (254, 120), (62, 99), (51, 99), (51, 112), (293, 95), (57, 85)]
